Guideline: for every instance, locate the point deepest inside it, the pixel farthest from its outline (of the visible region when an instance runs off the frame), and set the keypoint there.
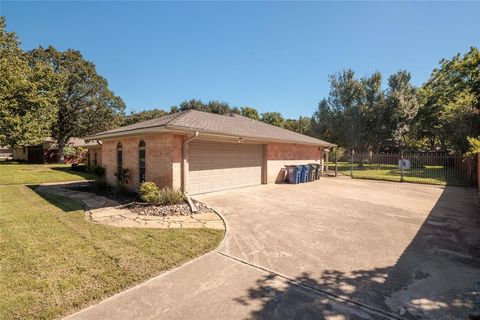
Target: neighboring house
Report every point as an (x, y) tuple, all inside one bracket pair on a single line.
[(45, 152), (6, 153), (94, 153), (202, 152)]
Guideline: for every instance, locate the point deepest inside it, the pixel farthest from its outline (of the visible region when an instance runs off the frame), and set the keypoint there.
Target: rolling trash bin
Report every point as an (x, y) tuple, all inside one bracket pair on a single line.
[(316, 170), (311, 173), (293, 173), (304, 176)]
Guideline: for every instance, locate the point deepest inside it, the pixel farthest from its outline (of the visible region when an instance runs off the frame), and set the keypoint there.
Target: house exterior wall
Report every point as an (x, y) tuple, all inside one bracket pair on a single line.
[(91, 151), (280, 154), (163, 155), (164, 159), (20, 154)]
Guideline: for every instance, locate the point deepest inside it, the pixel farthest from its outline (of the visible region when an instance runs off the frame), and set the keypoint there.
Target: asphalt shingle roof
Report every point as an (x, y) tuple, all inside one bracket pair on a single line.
[(231, 125)]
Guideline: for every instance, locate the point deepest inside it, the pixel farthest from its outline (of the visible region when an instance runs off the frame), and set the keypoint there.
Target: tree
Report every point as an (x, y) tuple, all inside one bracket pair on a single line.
[(192, 104), (84, 103), (214, 106), (450, 110), (291, 124), (26, 94), (304, 125), (249, 112), (218, 107), (140, 116), (323, 123), (375, 113), (402, 106), (273, 118), (236, 110), (474, 146)]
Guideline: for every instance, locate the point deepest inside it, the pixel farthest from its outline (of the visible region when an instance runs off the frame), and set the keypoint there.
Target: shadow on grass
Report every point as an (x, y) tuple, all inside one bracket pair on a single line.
[(63, 203), (436, 277), (86, 175)]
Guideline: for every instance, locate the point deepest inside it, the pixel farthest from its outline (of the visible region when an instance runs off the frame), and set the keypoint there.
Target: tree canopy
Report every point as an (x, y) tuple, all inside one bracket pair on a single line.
[(84, 103), (26, 94), (359, 115)]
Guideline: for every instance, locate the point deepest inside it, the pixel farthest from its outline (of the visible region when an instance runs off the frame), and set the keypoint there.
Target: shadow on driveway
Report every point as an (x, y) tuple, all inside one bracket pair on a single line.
[(436, 277)]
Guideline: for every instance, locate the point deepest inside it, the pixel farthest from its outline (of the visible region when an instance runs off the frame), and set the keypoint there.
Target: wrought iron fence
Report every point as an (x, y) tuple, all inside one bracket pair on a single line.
[(429, 168)]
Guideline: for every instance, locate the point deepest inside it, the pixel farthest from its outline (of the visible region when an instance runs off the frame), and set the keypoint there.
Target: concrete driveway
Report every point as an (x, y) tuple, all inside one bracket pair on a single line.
[(333, 249)]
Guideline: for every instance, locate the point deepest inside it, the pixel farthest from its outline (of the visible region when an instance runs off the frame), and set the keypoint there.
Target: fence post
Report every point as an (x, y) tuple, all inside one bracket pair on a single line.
[(351, 164), (401, 167)]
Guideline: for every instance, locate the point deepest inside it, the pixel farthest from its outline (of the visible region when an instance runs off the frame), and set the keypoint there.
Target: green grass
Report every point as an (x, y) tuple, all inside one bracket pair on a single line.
[(54, 262), (22, 173), (426, 175)]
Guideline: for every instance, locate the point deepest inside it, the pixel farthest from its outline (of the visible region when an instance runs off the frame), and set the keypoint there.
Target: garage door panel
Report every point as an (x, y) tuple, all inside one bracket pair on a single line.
[(219, 166)]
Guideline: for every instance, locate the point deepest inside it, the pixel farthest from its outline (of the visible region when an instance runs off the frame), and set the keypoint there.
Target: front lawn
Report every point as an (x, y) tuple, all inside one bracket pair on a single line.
[(54, 262), (23, 173)]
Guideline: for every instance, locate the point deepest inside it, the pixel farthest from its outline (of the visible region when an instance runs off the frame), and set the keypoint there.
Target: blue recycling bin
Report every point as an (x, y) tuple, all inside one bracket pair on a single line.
[(304, 174), (293, 173)]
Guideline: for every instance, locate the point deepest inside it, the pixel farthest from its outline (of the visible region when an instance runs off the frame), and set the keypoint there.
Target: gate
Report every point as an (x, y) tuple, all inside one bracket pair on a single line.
[(428, 168)]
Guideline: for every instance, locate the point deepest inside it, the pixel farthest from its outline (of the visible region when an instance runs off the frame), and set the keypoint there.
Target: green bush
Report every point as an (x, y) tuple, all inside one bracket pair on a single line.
[(168, 196), (123, 175), (69, 151), (149, 192), (121, 188), (101, 184), (99, 171)]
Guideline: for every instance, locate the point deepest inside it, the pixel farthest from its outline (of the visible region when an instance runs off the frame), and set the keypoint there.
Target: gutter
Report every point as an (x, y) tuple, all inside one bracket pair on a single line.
[(185, 171)]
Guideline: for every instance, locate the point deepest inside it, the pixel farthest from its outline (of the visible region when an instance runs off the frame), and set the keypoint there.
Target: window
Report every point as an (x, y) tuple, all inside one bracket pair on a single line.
[(141, 160), (95, 159), (119, 161)]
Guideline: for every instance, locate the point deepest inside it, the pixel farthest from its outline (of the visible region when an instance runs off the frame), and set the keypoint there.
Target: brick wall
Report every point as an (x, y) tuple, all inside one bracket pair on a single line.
[(163, 155), (281, 154), (91, 152)]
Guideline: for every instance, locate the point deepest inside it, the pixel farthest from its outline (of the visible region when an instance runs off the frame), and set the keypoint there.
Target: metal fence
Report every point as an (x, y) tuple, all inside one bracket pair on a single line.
[(429, 168)]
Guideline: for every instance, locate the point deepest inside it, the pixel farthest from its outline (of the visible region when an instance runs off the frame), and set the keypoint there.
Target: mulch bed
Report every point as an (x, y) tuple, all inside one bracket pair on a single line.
[(131, 201), (182, 209)]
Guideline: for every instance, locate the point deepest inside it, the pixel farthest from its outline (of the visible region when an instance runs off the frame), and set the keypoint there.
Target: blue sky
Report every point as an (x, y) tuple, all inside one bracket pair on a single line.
[(274, 56)]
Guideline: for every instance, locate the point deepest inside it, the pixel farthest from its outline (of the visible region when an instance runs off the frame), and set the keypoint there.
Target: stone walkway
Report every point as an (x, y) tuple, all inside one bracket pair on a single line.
[(103, 210)]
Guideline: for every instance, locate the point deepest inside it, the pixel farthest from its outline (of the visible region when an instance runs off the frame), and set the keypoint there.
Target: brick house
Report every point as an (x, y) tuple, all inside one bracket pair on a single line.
[(94, 153), (201, 152)]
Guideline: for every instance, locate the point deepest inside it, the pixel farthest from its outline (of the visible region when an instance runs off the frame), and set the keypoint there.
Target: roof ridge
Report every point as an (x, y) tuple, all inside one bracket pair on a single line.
[(181, 114)]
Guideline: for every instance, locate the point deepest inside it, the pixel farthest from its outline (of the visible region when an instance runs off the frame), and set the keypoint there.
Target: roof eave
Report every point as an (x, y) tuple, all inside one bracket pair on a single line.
[(189, 129), (181, 129)]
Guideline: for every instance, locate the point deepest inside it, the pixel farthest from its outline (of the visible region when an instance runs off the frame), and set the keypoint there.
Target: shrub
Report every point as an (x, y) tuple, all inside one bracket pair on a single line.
[(101, 184), (149, 192), (123, 175), (69, 151), (121, 189), (79, 167), (168, 196), (99, 171)]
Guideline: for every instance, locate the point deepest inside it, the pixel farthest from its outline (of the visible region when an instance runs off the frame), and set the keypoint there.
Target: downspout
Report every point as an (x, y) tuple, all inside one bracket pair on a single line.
[(185, 171)]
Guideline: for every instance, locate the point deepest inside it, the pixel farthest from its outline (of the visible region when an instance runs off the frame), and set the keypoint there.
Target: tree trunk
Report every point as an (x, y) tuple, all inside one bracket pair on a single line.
[(61, 145)]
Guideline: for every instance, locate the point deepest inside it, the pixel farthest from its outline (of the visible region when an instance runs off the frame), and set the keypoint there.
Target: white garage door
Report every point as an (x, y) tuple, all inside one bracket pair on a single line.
[(215, 166)]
